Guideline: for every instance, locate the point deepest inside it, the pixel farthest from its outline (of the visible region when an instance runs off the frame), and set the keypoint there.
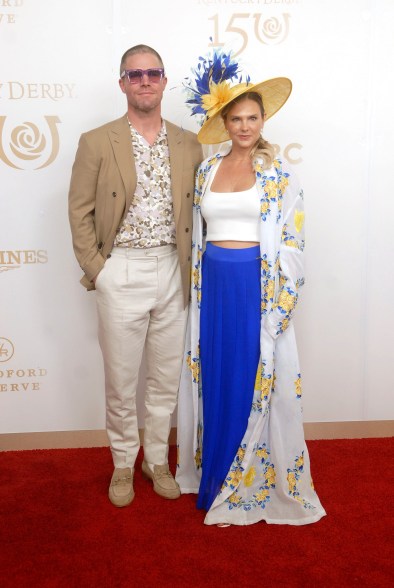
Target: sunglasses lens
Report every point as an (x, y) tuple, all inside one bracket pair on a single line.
[(154, 75), (134, 75)]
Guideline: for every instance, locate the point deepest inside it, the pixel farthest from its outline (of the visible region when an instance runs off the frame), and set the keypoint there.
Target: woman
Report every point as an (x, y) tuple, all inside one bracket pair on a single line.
[(240, 432)]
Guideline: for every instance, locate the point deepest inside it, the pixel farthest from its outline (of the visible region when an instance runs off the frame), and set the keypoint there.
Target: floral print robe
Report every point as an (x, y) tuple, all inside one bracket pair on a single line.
[(269, 478)]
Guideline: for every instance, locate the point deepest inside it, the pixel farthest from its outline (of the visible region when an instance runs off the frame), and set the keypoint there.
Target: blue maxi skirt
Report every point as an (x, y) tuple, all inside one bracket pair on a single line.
[(229, 356)]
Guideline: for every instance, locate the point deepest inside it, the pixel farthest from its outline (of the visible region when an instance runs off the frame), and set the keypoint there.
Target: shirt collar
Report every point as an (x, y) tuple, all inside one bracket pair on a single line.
[(162, 134)]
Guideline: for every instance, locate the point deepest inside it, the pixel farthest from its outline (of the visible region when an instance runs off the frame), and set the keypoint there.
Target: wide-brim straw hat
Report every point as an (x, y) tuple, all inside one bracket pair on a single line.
[(274, 94)]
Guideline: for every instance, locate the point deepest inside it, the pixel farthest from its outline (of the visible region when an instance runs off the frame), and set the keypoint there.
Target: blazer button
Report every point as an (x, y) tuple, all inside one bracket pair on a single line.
[(189, 258), (114, 194), (100, 245), (187, 229), (108, 256), (188, 195)]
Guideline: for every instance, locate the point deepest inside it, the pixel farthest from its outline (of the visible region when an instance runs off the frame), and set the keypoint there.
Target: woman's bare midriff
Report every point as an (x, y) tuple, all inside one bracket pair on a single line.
[(234, 244)]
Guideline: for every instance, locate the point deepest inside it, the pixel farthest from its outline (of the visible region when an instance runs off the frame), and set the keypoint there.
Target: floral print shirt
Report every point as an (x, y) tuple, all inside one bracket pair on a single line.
[(150, 219)]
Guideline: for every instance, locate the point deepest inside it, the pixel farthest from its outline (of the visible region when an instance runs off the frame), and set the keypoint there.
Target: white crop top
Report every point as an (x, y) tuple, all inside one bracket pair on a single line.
[(231, 216)]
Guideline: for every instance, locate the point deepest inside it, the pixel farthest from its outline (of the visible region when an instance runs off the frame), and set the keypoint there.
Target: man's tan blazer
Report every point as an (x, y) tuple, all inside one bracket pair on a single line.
[(102, 186)]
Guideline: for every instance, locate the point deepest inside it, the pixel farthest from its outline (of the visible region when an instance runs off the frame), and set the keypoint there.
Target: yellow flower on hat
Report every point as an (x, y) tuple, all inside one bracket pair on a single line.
[(219, 95), (215, 82)]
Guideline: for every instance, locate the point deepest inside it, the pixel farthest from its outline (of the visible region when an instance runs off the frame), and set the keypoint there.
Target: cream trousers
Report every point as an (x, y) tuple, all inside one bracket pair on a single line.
[(140, 304)]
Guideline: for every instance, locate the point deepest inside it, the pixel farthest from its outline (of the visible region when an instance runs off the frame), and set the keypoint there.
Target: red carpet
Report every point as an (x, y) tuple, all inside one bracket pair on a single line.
[(58, 529)]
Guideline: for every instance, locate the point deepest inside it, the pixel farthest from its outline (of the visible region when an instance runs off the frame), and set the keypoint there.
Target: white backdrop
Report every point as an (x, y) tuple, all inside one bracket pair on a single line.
[(59, 77)]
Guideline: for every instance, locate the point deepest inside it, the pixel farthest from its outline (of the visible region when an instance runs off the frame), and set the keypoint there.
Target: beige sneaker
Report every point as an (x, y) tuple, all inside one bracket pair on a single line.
[(163, 481), (121, 491)]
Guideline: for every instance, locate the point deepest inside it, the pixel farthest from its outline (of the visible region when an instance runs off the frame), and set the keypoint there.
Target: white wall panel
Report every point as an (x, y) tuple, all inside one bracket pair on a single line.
[(60, 78), (379, 242)]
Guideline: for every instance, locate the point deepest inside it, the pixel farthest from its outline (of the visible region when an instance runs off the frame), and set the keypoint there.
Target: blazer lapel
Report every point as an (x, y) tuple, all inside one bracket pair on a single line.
[(120, 138), (175, 146)]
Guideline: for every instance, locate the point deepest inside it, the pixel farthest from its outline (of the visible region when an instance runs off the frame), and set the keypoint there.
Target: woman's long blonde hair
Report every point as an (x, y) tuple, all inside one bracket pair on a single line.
[(262, 148)]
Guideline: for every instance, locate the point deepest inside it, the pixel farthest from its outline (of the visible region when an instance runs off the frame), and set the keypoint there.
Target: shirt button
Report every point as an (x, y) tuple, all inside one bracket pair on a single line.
[(114, 194), (99, 246), (187, 229), (188, 195), (108, 256), (189, 258)]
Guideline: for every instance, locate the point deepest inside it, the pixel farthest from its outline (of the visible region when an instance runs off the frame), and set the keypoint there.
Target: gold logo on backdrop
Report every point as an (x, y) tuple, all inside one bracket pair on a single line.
[(6, 268), (269, 31), (273, 30), (260, 2), (15, 259), (9, 17), (291, 152), (6, 349), (18, 379), (14, 90), (27, 143)]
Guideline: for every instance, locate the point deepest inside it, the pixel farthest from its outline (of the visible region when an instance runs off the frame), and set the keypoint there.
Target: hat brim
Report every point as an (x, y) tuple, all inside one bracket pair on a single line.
[(274, 93)]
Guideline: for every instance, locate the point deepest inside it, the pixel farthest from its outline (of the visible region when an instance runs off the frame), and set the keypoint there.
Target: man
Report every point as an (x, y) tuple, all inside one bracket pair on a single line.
[(130, 208)]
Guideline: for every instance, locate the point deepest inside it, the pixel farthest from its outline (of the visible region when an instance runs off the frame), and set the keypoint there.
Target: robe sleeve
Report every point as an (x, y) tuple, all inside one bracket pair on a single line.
[(290, 260)]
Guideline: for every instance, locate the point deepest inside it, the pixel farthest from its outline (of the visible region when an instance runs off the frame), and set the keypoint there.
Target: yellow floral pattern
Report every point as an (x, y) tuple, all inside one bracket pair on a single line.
[(238, 482), (236, 472), (197, 458), (271, 189), (234, 499), (240, 454), (286, 304), (262, 452), (196, 274), (293, 477), (299, 218), (250, 476), (266, 384), (263, 387), (287, 300), (267, 283), (198, 453), (290, 240), (255, 482), (298, 386), (234, 478), (284, 301), (193, 364), (270, 290)]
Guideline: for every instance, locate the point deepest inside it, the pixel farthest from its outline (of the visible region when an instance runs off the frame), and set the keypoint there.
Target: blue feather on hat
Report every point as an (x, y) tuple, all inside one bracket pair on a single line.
[(218, 67)]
